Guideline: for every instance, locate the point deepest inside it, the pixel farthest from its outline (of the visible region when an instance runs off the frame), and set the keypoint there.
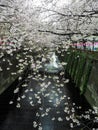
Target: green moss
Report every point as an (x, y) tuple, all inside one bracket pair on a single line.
[(86, 74), (80, 70), (79, 65), (75, 64), (68, 62), (72, 63)]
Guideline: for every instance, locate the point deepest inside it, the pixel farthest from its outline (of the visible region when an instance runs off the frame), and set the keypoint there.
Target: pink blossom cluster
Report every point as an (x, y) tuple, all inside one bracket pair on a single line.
[(5, 41), (87, 44)]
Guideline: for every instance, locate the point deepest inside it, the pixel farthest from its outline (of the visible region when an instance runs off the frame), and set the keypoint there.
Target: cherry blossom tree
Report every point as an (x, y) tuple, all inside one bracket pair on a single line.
[(49, 21)]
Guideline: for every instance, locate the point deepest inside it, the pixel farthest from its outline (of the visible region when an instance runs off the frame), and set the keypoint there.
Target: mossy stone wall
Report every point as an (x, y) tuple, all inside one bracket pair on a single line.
[(82, 67)]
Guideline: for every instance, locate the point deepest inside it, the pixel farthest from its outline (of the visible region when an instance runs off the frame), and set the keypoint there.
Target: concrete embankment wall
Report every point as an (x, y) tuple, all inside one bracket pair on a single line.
[(82, 67), (12, 67)]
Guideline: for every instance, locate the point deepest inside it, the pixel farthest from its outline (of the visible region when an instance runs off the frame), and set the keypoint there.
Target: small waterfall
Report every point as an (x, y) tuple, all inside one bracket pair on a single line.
[(54, 65)]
